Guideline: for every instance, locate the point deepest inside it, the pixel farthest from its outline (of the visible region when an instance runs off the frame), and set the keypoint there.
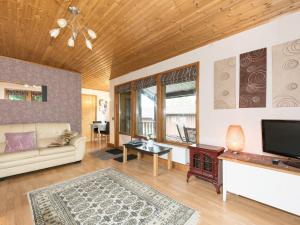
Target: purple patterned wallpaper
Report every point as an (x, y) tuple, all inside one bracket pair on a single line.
[(64, 94)]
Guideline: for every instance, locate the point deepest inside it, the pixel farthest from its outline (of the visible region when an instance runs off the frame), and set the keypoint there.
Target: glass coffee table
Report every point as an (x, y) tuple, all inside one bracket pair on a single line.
[(155, 151)]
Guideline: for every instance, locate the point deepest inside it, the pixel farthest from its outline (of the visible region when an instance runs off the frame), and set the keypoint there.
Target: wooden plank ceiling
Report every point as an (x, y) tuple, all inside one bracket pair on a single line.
[(131, 33)]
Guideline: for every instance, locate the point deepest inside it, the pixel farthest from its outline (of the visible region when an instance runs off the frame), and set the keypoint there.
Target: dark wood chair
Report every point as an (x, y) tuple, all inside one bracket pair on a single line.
[(106, 131), (190, 134), (183, 139)]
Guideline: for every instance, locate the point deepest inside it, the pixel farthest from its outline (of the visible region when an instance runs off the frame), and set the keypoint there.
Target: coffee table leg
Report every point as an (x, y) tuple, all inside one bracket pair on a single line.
[(155, 164), (170, 160), (124, 154), (139, 155)]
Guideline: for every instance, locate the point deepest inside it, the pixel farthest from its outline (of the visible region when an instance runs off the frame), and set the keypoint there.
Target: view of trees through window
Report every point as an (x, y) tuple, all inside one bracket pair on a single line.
[(180, 112), (162, 106)]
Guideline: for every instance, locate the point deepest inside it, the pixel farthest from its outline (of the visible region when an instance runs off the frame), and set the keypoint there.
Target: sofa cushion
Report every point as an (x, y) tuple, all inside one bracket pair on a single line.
[(44, 143), (17, 142), (2, 147), (15, 128), (57, 150), (6, 157), (51, 130)]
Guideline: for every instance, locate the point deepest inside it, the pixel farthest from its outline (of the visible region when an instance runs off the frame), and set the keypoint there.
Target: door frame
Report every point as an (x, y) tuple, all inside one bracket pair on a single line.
[(96, 106)]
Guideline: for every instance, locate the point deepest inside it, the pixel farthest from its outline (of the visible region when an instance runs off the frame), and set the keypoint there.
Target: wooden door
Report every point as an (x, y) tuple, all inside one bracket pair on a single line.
[(89, 109)]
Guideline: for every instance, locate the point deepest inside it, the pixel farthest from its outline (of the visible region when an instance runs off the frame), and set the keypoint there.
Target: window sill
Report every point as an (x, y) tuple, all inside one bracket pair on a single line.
[(176, 143), (142, 137)]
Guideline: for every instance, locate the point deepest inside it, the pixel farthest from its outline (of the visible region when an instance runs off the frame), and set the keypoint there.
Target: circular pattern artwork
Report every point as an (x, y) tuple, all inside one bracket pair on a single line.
[(290, 64), (286, 74), (285, 101), (253, 78), (224, 76), (225, 93), (292, 86), (257, 81), (246, 60), (251, 69), (293, 48)]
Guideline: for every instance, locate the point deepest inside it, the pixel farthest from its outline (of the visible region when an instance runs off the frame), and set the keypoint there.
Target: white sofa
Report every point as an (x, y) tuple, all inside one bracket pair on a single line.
[(42, 157)]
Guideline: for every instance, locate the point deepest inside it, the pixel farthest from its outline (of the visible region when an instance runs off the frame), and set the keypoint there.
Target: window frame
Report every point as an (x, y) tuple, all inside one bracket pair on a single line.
[(122, 132), (160, 108)]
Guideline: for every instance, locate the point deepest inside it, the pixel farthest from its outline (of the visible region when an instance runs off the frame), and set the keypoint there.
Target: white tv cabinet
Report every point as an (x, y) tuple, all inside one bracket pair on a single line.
[(255, 177)]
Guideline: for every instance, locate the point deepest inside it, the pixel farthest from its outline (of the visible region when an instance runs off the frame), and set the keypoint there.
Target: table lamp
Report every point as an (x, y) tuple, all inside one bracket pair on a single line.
[(235, 139)]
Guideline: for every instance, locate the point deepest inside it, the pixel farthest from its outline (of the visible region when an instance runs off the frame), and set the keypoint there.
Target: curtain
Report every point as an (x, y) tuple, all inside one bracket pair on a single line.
[(123, 88), (145, 83), (36, 93), (16, 92), (180, 75)]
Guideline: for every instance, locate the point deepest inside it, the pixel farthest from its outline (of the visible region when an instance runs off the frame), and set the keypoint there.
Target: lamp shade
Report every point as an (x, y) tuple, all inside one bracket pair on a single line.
[(92, 34), (71, 42), (88, 44), (54, 32), (62, 23), (235, 139)]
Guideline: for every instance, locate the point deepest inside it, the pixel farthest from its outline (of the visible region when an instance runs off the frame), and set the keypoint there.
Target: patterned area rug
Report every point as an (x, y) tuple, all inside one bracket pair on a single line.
[(106, 197)]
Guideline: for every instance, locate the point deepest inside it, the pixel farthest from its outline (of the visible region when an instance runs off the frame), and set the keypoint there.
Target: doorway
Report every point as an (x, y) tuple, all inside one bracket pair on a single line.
[(89, 109)]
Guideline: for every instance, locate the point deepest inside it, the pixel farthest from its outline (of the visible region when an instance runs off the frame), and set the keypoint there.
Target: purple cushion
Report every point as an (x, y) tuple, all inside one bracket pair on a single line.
[(17, 142)]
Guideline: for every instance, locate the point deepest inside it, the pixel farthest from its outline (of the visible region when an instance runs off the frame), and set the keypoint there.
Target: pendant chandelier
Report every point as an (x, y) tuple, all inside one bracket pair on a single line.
[(76, 28)]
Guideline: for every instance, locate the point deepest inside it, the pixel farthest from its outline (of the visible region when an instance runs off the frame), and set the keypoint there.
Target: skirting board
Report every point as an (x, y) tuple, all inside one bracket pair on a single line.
[(111, 145)]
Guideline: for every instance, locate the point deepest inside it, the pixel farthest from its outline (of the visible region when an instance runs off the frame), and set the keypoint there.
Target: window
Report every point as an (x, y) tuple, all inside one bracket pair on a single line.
[(162, 105), (146, 112), (16, 95), (125, 112), (36, 96), (180, 112)]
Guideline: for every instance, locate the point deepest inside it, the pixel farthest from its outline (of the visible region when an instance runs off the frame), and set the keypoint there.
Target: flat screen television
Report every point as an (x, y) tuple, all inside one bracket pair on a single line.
[(281, 137)]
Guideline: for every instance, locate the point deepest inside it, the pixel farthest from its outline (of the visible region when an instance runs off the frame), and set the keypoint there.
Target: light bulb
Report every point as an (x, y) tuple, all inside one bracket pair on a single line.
[(54, 32), (62, 23), (92, 33), (88, 44), (71, 42)]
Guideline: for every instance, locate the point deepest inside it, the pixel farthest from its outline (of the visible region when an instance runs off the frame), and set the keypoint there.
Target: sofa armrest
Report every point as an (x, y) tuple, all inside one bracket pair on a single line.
[(79, 143)]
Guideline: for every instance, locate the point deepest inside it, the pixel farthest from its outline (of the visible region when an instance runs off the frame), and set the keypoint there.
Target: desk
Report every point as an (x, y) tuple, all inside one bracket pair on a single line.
[(100, 126), (155, 151)]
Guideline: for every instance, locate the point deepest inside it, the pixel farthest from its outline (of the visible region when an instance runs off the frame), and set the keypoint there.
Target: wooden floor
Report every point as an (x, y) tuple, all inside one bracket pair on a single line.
[(200, 195)]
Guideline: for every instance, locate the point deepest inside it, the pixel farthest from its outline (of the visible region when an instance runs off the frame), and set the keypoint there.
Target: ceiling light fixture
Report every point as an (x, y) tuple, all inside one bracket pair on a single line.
[(76, 28)]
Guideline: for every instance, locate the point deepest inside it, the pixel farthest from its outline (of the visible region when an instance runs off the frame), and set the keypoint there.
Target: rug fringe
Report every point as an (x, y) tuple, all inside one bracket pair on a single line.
[(31, 208), (194, 219)]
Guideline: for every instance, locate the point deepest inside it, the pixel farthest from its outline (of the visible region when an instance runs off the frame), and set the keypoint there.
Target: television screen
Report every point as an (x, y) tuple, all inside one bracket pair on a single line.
[(281, 137)]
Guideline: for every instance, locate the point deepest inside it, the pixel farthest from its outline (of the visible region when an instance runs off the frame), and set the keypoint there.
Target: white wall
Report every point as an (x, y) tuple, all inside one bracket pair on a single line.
[(100, 95), (214, 123)]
